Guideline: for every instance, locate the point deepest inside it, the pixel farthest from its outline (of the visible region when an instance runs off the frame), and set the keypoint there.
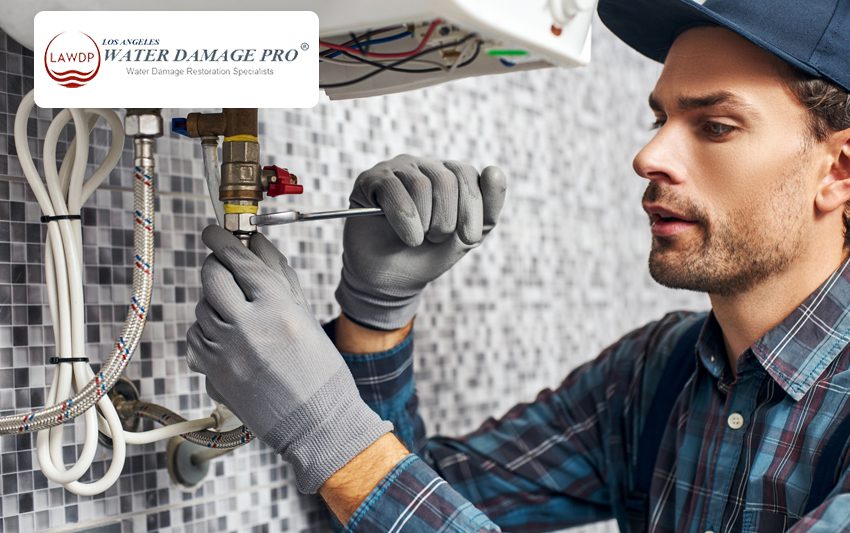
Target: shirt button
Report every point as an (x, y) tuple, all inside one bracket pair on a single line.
[(735, 421), (709, 531)]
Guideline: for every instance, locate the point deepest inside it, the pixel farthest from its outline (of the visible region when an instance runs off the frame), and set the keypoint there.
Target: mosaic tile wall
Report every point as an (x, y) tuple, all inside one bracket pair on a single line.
[(563, 275)]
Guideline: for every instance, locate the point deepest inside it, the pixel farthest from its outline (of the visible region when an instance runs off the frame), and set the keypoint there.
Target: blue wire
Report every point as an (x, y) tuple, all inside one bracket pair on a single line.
[(380, 40)]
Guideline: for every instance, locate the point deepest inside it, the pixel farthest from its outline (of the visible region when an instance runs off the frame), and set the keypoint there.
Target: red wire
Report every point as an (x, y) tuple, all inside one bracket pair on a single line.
[(418, 49)]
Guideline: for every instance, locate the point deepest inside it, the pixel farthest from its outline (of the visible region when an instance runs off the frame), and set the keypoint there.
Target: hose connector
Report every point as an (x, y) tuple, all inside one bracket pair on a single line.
[(144, 125)]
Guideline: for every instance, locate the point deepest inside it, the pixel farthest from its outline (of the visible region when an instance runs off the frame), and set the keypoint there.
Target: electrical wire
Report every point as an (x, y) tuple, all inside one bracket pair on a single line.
[(366, 44), (440, 66), (363, 48), (368, 35), (460, 55), (382, 68), (387, 55), (361, 62)]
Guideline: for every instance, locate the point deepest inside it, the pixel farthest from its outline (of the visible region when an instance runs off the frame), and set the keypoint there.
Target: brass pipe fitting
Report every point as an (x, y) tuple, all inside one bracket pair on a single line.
[(241, 178), (205, 124), (240, 121), (230, 122)]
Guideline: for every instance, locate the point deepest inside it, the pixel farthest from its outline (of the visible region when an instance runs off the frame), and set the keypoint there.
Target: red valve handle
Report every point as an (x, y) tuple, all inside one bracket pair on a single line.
[(286, 182)]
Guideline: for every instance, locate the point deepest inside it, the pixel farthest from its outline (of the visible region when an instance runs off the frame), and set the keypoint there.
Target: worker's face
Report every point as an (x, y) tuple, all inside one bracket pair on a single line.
[(731, 156)]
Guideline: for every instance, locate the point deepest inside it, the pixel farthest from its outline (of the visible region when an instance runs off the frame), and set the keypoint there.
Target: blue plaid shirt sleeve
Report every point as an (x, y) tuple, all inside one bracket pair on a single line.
[(412, 495), (544, 465)]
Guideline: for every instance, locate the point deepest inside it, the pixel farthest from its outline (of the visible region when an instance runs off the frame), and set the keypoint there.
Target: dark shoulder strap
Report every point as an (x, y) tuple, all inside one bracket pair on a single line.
[(823, 479), (678, 369)]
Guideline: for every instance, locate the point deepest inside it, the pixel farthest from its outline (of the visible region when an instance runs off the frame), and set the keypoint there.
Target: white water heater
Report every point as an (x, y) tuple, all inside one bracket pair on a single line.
[(377, 46)]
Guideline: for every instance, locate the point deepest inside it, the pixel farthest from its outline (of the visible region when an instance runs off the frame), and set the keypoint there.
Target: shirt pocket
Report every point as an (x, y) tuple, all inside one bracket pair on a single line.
[(759, 521)]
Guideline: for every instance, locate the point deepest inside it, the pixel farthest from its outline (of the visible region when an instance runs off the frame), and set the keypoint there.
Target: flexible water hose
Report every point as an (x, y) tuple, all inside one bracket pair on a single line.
[(109, 373), (196, 435), (72, 407), (63, 192)]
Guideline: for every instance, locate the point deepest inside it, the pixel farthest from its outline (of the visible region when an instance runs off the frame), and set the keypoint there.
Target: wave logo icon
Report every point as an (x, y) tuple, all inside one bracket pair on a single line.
[(72, 59)]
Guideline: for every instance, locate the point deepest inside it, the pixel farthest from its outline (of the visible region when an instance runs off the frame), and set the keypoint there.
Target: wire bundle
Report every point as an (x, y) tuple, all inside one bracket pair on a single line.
[(358, 49)]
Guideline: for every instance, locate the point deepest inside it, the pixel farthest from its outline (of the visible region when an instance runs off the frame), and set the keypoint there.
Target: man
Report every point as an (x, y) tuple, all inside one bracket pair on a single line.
[(748, 182)]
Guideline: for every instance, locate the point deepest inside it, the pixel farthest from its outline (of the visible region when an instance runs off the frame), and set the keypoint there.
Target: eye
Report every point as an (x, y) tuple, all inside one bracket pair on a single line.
[(659, 121), (717, 130)]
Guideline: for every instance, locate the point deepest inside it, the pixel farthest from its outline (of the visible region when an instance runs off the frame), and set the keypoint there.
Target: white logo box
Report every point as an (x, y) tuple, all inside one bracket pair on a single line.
[(176, 59)]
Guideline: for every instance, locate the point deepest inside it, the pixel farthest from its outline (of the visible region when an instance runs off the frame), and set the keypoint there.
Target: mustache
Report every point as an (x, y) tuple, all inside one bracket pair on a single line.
[(688, 208)]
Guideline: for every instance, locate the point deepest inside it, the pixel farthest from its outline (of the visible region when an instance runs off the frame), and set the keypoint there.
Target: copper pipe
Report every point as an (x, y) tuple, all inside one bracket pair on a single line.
[(240, 121), (231, 121)]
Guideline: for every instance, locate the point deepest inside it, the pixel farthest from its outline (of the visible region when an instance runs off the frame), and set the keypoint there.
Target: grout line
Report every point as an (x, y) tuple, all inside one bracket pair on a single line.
[(196, 501)]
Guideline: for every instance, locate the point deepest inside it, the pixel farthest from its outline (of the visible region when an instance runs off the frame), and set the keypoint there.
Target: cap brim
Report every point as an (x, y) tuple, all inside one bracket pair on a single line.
[(651, 26)]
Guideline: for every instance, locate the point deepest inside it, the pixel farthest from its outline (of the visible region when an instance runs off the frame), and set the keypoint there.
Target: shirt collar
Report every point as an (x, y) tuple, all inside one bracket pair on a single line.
[(710, 348), (796, 352)]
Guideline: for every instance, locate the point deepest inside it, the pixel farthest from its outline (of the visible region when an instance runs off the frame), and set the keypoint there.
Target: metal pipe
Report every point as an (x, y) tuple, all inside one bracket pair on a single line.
[(240, 121), (207, 438), (288, 217), (212, 172)]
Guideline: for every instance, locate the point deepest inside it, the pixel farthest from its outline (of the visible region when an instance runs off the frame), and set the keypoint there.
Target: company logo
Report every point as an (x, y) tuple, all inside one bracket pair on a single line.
[(72, 59)]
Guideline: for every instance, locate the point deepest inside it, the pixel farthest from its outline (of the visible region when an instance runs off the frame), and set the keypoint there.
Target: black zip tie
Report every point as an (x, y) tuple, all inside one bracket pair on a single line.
[(45, 218), (57, 360)]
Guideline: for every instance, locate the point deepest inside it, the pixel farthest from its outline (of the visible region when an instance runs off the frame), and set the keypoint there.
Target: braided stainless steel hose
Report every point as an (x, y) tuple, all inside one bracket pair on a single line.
[(208, 438), (109, 373)]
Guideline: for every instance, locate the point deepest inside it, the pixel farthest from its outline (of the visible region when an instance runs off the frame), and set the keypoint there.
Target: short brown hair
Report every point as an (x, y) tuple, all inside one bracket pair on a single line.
[(828, 106)]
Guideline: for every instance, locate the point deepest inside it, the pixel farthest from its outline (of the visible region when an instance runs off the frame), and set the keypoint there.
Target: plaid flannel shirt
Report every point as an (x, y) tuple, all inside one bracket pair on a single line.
[(737, 453)]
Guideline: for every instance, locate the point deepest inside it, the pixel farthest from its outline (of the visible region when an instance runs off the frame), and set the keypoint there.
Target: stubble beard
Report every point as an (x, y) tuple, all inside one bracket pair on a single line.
[(731, 254)]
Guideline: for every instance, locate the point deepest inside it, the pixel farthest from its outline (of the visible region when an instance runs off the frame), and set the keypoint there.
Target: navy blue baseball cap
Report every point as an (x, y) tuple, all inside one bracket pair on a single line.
[(812, 35)]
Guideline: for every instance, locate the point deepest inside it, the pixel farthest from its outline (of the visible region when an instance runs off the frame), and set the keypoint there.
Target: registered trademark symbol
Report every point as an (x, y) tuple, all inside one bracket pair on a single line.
[(305, 46)]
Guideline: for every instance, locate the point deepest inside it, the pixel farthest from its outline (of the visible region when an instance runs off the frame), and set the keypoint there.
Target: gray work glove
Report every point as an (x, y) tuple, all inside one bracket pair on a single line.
[(267, 358), (435, 212)]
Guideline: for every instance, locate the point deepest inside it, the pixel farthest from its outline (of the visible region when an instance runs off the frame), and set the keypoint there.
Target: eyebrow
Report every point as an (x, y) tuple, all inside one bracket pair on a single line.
[(688, 103)]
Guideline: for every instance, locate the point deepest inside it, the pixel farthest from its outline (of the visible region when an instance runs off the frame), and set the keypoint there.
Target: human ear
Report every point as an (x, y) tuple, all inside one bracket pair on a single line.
[(834, 189)]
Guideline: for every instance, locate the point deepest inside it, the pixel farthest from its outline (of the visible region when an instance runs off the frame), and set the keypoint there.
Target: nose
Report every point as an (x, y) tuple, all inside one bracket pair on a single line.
[(661, 158)]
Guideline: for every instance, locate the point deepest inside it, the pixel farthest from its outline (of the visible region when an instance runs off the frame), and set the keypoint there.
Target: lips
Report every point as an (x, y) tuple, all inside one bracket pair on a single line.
[(658, 213), (667, 222)]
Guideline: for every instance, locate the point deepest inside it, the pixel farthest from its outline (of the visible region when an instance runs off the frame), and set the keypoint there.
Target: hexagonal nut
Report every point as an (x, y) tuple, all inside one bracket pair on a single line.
[(148, 124), (239, 222), (240, 151)]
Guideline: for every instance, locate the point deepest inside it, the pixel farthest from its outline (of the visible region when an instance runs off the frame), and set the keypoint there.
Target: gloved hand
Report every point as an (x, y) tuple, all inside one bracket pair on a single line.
[(268, 359), (435, 212)]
